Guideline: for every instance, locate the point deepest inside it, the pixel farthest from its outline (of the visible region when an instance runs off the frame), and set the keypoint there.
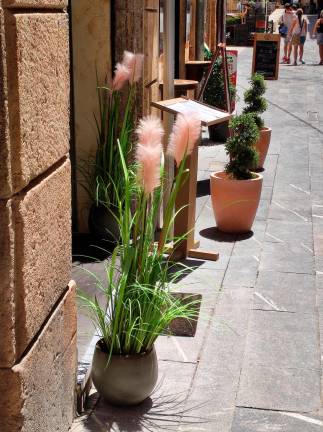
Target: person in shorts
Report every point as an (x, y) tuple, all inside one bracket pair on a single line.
[(286, 21), (318, 29), (298, 33)]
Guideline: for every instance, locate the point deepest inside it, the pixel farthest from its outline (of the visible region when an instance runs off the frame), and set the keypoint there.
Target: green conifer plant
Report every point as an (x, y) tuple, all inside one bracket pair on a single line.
[(240, 147), (256, 104)]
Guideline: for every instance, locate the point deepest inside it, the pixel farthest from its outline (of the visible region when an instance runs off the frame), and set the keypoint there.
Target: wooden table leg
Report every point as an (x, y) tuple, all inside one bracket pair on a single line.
[(185, 220)]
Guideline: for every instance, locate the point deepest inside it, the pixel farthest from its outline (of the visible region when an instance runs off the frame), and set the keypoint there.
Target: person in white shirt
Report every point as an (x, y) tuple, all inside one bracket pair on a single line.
[(287, 20), (298, 32)]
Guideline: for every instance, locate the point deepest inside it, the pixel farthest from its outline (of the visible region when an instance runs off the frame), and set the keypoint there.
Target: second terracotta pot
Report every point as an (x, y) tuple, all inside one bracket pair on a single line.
[(235, 202), (262, 145)]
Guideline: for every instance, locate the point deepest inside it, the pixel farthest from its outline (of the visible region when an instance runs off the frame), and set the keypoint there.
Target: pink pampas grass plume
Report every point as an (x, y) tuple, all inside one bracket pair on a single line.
[(186, 131), (150, 131), (121, 76), (148, 158), (149, 152), (134, 62)]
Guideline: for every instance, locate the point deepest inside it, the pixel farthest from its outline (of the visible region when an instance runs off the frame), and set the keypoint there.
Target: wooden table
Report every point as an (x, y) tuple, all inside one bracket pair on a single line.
[(185, 205)]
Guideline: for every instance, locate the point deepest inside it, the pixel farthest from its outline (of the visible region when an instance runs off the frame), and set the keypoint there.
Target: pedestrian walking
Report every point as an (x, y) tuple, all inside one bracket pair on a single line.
[(318, 30), (297, 33), (285, 24)]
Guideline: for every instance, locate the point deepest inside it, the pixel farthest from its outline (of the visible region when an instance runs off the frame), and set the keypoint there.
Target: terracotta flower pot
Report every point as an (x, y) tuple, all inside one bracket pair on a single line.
[(262, 145), (235, 202), (125, 380)]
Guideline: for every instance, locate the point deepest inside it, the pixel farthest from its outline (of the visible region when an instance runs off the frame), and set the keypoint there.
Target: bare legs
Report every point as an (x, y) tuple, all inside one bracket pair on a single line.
[(321, 53), (287, 50), (295, 54), (301, 52)]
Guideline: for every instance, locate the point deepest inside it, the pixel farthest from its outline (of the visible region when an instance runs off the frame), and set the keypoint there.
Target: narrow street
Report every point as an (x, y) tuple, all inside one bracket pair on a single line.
[(255, 363)]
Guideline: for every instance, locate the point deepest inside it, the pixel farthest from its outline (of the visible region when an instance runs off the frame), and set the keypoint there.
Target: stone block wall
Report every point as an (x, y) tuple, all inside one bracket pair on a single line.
[(91, 61), (37, 307)]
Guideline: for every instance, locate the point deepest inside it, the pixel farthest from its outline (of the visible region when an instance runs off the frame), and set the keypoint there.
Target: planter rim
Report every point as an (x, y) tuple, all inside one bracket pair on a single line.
[(265, 128), (124, 356), (221, 175)]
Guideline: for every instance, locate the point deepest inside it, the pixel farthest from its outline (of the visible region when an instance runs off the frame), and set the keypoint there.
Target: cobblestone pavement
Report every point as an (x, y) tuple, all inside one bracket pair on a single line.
[(255, 364)]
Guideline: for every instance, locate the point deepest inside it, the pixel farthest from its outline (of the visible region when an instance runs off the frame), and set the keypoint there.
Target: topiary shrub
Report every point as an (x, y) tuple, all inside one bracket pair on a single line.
[(214, 91), (240, 147), (253, 97)]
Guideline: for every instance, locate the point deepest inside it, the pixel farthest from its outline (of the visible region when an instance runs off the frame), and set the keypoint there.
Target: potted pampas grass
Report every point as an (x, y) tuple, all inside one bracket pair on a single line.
[(102, 174), (256, 105), (139, 306), (236, 191)]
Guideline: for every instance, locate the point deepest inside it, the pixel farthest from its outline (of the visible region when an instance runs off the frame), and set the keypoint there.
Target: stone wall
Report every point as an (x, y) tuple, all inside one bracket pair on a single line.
[(37, 308), (91, 60)]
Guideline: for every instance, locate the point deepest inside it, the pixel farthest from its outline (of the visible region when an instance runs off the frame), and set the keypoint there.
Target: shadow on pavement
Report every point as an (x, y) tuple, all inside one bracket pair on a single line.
[(159, 412)]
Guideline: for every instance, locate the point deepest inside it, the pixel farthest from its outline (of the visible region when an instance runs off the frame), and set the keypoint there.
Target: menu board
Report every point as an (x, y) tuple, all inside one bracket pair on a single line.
[(266, 55), (207, 114)]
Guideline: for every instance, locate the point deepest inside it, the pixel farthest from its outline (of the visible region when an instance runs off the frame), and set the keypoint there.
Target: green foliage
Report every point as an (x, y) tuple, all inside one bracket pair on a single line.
[(138, 303), (102, 174), (240, 147), (214, 90), (231, 20), (253, 97), (207, 52)]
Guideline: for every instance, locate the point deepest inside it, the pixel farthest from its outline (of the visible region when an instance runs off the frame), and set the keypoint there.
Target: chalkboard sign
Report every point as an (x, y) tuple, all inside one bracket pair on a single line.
[(266, 55)]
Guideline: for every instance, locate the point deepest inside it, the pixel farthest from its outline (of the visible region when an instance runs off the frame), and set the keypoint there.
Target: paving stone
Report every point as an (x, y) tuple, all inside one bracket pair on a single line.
[(242, 271), (290, 192), (284, 349), (285, 291), (184, 349), (202, 279), (266, 192), (263, 209), (319, 281), (291, 233), (286, 258), (286, 340), (205, 282), (217, 376), (291, 210), (305, 324), (228, 329), (283, 389), (251, 246), (317, 214), (250, 420), (240, 278), (270, 169), (290, 180)]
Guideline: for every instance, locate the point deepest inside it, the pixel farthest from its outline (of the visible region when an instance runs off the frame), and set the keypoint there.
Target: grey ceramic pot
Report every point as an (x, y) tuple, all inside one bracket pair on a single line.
[(125, 380)]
